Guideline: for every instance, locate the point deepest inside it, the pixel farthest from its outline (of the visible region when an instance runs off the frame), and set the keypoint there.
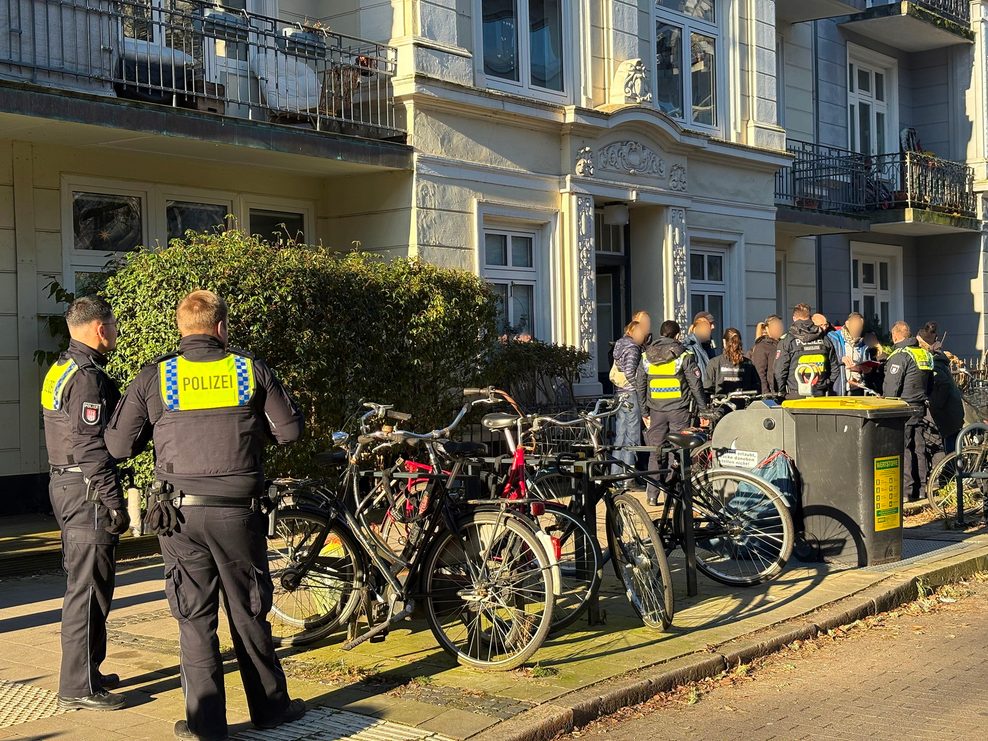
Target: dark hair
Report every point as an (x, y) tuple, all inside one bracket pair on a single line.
[(732, 346), (670, 329), (88, 309), (929, 333), (801, 311)]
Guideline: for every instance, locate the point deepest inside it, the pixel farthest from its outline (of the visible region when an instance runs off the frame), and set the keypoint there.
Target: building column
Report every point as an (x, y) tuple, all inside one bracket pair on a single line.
[(583, 297), (676, 268), (25, 242), (758, 69)]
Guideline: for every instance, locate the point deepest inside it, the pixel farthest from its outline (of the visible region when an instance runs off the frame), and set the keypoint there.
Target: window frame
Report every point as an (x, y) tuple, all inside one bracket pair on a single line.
[(510, 274), (873, 62), (731, 245), (689, 25), (570, 45), (869, 252)]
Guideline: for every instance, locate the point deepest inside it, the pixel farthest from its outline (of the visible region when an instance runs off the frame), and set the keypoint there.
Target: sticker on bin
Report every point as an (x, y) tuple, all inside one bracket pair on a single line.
[(746, 459), (888, 492)]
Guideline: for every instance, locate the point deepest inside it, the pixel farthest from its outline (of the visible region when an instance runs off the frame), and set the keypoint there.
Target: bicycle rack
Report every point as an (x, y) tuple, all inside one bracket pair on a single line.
[(962, 474)]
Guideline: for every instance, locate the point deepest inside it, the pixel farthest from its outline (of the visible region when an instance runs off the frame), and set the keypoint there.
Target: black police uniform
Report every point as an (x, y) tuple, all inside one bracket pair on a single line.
[(668, 381), (909, 376), (77, 399), (806, 362), (724, 377), (210, 413)]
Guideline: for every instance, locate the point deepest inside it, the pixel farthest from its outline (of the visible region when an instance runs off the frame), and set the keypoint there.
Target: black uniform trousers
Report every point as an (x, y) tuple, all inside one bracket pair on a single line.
[(915, 466), (88, 553), (214, 549), (660, 424)]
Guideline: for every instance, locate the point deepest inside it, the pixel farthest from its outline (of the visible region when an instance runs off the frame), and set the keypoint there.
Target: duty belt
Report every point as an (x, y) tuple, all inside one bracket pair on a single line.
[(65, 469), (187, 500)]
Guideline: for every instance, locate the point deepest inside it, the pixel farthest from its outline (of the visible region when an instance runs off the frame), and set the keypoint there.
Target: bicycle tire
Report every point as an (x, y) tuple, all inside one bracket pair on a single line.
[(550, 485), (322, 600), (941, 486), (461, 590), (579, 562), (756, 539), (640, 564)]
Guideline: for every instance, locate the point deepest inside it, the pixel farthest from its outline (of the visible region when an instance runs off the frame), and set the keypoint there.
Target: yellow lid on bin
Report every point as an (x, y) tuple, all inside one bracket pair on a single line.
[(850, 403)]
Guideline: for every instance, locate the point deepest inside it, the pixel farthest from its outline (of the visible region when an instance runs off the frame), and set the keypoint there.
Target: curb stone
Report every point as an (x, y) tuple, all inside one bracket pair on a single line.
[(579, 707)]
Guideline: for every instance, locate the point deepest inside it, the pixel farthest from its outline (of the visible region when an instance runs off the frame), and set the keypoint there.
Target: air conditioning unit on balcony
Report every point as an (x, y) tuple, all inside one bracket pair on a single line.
[(302, 42), (221, 24)]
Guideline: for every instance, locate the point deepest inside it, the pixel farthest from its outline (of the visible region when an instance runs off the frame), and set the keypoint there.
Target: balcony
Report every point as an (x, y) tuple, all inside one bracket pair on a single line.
[(797, 11), (191, 55), (912, 193), (916, 25)]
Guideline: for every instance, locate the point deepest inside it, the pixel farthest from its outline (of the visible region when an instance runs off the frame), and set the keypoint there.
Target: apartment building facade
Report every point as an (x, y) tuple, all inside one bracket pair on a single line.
[(881, 210)]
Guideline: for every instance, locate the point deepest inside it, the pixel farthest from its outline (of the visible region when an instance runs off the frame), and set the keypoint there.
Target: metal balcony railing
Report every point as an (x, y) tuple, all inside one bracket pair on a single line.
[(834, 180), (958, 11), (199, 55)]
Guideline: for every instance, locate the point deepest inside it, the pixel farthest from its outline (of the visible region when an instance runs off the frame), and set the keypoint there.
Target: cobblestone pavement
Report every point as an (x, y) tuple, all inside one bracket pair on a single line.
[(911, 674)]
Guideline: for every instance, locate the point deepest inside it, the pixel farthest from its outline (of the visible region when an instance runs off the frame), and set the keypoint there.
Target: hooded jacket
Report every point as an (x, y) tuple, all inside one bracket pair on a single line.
[(703, 352), (946, 400), (806, 363), (763, 358), (909, 372), (659, 353)]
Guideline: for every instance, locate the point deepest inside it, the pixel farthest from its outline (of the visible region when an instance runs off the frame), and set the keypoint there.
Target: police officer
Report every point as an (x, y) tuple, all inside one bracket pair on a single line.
[(668, 382), (77, 398), (806, 363), (909, 376), (210, 411)]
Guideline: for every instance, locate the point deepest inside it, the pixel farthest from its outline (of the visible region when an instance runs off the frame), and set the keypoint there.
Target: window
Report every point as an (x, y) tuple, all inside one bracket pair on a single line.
[(181, 216), (876, 288), (687, 39), (99, 223), (708, 283), (510, 264), (277, 225), (523, 43), (870, 113), (608, 238)]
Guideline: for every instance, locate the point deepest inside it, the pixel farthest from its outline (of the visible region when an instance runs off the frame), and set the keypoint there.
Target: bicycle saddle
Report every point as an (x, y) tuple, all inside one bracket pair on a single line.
[(335, 457), (499, 420), (464, 449), (685, 440)]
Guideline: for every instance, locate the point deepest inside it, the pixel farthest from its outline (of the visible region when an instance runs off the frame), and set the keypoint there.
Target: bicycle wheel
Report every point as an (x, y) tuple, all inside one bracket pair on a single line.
[(702, 458), (310, 604), (550, 484), (578, 562), (743, 529), (488, 591), (941, 487), (640, 560)]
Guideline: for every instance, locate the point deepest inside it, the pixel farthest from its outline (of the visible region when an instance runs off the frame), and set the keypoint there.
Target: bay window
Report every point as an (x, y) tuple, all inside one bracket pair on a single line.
[(686, 58)]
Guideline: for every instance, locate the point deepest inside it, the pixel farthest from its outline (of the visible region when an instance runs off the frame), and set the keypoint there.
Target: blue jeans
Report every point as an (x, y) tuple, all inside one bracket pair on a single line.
[(628, 430)]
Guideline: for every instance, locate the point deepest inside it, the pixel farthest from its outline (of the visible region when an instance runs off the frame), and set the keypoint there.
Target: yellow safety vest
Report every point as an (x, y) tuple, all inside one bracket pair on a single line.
[(218, 384), (923, 358), (663, 379), (56, 380)]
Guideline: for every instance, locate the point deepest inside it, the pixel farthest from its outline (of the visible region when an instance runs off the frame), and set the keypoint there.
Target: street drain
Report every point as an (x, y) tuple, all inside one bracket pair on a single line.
[(22, 703), (326, 724)]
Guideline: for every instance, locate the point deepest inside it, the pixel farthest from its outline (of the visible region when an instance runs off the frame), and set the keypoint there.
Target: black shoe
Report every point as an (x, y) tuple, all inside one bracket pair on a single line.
[(653, 500), (102, 700), (182, 731), (109, 681), (295, 710)]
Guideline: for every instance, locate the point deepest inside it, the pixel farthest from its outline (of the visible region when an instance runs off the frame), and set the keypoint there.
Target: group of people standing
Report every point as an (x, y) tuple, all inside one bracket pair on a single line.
[(669, 380)]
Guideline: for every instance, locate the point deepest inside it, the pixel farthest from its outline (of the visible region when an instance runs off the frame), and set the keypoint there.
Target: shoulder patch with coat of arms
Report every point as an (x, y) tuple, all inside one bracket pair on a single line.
[(91, 412), (894, 369)]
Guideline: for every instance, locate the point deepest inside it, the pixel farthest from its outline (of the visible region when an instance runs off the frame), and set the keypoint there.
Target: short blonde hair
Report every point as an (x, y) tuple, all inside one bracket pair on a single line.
[(200, 312)]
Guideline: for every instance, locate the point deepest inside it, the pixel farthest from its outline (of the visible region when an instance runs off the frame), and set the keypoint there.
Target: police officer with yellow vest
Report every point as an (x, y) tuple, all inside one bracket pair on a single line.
[(77, 399), (668, 383), (909, 376), (806, 362), (210, 411)]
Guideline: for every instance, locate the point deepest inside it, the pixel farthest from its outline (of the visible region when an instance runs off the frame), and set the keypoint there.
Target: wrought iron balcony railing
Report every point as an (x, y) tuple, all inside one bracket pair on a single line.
[(199, 55), (839, 181), (958, 11)]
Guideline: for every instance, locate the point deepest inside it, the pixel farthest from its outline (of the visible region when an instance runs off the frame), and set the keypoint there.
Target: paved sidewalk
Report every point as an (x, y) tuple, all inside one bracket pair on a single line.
[(406, 681)]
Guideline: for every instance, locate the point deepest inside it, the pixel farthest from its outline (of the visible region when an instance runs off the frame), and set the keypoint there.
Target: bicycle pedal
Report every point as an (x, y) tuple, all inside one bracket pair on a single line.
[(379, 637)]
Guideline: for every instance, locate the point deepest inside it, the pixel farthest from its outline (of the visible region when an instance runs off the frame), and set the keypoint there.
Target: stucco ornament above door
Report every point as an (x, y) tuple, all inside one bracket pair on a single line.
[(677, 178), (631, 158), (630, 84), (584, 162)]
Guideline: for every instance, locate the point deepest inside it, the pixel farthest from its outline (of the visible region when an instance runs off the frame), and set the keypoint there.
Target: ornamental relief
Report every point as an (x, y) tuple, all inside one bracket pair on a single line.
[(586, 281), (631, 158), (678, 260)]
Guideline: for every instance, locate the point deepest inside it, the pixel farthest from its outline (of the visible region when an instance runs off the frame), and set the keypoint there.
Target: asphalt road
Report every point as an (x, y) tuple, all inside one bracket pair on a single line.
[(918, 673)]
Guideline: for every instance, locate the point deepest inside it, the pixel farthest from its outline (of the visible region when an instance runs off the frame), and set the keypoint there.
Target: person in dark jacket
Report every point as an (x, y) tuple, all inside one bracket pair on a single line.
[(730, 371), (628, 421), (806, 363), (211, 411), (946, 401), (763, 353), (909, 376), (700, 341), (77, 399), (668, 384)]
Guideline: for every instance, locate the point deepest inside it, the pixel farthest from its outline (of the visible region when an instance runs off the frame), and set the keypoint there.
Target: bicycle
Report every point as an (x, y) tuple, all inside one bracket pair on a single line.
[(483, 576)]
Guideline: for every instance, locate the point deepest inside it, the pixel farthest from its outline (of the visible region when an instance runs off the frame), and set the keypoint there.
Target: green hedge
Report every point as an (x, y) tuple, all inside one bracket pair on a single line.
[(335, 328)]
